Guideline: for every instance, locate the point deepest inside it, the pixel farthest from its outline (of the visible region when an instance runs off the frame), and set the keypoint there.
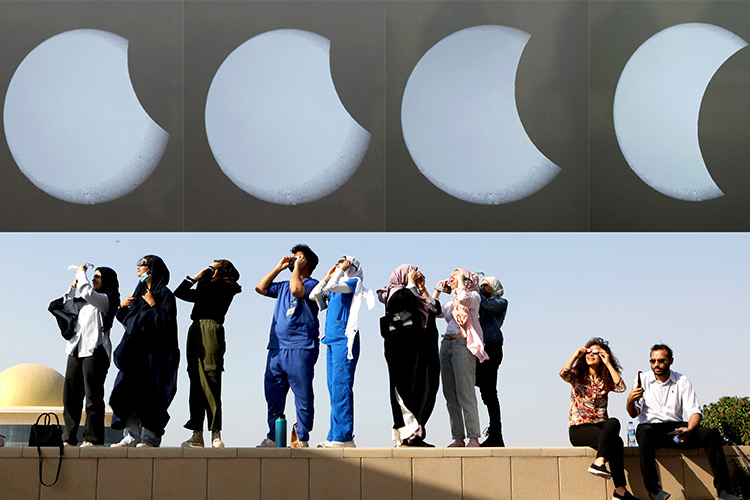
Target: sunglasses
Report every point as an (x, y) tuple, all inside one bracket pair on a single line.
[(592, 351), (661, 361), (142, 263)]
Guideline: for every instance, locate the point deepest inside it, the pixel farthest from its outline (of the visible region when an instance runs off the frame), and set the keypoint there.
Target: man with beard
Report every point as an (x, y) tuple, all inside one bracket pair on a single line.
[(661, 399)]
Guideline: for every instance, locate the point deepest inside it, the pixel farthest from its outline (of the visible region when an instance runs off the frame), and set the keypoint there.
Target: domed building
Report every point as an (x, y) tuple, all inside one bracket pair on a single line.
[(26, 391)]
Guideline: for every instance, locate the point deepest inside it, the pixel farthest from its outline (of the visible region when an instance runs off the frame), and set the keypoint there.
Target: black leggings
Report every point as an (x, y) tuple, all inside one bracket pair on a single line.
[(604, 437)]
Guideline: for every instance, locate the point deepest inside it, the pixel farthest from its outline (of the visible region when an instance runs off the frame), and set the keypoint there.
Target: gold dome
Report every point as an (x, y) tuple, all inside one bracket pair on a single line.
[(31, 384)]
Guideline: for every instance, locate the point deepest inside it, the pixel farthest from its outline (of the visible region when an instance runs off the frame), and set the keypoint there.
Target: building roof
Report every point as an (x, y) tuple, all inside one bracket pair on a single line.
[(31, 384)]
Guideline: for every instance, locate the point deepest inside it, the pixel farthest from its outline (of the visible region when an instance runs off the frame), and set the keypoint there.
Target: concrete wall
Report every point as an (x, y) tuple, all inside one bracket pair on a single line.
[(347, 474)]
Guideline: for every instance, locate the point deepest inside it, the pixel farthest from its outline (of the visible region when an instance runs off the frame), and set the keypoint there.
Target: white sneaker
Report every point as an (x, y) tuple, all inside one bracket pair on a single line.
[(87, 444), (195, 441), (304, 444), (127, 442), (322, 444), (267, 443), (216, 441), (144, 445), (337, 444)]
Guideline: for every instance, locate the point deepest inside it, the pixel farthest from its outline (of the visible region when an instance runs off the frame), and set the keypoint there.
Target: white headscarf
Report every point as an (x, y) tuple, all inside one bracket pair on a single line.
[(360, 292)]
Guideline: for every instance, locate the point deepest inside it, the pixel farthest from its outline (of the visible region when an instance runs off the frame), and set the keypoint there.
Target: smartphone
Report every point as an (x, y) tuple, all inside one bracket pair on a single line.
[(639, 380), (677, 433)]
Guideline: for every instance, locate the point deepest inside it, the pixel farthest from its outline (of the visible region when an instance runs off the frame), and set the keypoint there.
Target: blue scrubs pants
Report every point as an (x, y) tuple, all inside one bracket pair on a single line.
[(340, 387), (285, 369)]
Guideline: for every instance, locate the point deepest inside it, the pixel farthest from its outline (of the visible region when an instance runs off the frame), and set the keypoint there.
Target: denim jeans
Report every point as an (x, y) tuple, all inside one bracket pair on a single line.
[(457, 369)]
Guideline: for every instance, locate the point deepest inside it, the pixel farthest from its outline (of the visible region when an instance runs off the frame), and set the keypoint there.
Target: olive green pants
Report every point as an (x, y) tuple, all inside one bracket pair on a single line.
[(205, 362)]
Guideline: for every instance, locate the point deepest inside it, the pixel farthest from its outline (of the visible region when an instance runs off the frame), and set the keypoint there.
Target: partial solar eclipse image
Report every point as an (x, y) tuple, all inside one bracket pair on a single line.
[(73, 122), (275, 123), (459, 109), (657, 105)]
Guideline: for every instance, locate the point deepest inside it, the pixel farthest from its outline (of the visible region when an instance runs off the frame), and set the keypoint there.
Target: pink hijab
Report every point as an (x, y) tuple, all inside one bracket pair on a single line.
[(468, 319)]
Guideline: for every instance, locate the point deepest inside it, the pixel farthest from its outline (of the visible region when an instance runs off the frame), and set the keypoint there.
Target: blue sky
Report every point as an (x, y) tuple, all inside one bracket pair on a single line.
[(688, 290)]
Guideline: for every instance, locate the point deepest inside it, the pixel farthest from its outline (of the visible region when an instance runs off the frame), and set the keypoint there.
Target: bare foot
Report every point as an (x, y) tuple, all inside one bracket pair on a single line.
[(473, 443), (599, 461), (457, 443)]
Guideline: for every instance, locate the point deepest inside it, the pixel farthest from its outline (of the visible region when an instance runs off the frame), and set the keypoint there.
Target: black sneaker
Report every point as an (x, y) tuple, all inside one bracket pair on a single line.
[(659, 495), (626, 496), (599, 470)]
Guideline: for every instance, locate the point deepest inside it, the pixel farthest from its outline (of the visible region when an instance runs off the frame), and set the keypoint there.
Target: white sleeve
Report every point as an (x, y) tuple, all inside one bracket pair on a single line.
[(96, 299), (336, 285), (316, 291), (690, 405), (69, 304)]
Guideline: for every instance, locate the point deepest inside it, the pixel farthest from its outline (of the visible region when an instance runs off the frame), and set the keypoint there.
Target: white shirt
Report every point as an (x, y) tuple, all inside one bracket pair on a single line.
[(470, 300), (89, 334), (671, 401)]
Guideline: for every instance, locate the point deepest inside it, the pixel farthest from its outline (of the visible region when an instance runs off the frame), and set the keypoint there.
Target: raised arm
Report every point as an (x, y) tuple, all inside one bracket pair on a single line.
[(86, 290), (265, 282), (565, 371)]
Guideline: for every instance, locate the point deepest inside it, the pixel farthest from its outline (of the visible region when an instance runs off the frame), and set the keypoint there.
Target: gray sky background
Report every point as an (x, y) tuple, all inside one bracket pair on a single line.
[(688, 290)]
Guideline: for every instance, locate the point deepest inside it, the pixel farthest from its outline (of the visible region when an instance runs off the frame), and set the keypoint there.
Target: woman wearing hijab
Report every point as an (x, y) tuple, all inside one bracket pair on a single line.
[(216, 287), (491, 316), (461, 344), (344, 291), (411, 353), (89, 352), (147, 358)]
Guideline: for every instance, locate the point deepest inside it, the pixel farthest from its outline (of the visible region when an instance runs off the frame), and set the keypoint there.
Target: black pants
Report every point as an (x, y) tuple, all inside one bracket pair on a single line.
[(605, 438), (85, 377), (654, 436), (486, 380)]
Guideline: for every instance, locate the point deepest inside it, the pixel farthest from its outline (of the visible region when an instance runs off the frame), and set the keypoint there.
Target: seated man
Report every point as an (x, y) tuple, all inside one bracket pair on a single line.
[(660, 400)]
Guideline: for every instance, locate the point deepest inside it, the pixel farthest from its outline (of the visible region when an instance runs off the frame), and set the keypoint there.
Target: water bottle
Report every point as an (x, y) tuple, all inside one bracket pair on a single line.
[(631, 434), (280, 431)]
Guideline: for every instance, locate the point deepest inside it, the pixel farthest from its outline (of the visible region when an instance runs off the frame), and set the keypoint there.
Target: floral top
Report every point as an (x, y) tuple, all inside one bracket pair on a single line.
[(588, 401)]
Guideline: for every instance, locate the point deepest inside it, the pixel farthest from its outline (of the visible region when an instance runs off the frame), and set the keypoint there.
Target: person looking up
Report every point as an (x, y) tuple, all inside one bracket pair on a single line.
[(293, 343)]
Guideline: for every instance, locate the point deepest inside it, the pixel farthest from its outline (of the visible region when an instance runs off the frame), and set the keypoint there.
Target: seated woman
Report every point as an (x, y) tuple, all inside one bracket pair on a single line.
[(410, 337), (89, 352), (593, 371), (147, 358), (462, 346), (344, 291)]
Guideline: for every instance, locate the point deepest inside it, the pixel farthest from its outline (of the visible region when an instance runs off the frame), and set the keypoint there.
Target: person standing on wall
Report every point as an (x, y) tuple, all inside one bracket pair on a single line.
[(206, 344), (492, 309), (89, 352), (462, 346), (293, 344), (148, 357), (343, 290)]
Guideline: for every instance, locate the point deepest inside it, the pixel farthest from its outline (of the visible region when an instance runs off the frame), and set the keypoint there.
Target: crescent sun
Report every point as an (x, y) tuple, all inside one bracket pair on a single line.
[(657, 103), (460, 122)]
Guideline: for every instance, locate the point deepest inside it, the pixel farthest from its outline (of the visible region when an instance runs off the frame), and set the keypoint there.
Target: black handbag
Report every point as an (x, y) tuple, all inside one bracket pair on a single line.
[(394, 322), (47, 434)]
